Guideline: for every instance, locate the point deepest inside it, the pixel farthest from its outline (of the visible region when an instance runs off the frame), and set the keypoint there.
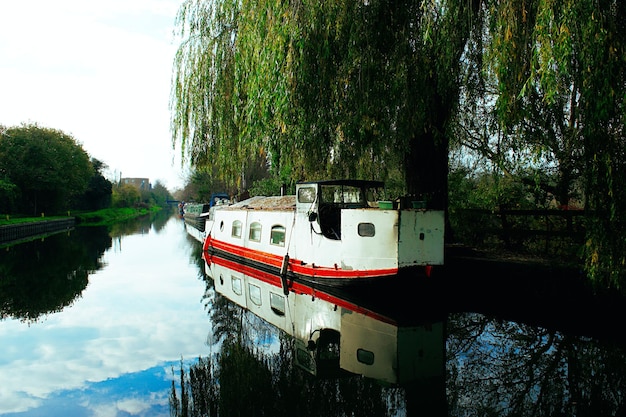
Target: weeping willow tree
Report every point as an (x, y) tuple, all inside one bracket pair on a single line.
[(340, 88), (347, 88), (560, 68)]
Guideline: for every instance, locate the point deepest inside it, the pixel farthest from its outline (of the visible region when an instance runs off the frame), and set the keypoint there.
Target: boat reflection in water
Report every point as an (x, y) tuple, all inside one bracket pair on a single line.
[(335, 336)]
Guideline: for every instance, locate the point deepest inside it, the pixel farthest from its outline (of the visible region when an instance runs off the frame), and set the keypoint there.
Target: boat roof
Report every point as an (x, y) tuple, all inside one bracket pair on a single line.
[(355, 183), (277, 203), (288, 202)]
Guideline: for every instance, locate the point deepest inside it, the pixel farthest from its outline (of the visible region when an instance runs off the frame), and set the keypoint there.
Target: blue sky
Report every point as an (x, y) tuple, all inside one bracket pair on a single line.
[(144, 393), (110, 353), (99, 70)]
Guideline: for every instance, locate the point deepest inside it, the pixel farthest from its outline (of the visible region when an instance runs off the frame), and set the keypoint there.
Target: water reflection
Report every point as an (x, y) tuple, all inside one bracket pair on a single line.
[(93, 324), (317, 353), (332, 335), (310, 353), (44, 276), (154, 221), (505, 368)]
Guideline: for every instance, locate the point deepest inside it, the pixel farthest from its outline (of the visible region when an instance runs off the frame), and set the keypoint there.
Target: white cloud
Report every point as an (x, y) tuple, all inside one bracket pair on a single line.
[(99, 70), (124, 322)]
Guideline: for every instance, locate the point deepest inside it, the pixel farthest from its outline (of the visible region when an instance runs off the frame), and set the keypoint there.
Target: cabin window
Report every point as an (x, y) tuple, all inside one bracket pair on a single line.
[(236, 283), (255, 294), (365, 356), (345, 195), (255, 232), (277, 303), (366, 229), (306, 194), (277, 235), (236, 230)]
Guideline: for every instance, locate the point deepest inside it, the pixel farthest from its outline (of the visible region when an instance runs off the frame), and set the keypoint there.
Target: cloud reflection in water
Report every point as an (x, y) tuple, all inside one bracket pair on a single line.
[(111, 352)]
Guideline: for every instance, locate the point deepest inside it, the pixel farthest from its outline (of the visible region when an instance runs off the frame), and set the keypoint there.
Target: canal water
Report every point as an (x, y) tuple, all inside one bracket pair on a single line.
[(131, 321)]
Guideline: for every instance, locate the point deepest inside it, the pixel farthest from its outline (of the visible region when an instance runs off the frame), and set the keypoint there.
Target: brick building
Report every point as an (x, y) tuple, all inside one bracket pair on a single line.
[(140, 183)]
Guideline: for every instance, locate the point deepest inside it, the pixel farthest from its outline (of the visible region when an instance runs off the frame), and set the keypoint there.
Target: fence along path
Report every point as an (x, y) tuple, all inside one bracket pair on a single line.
[(13, 232)]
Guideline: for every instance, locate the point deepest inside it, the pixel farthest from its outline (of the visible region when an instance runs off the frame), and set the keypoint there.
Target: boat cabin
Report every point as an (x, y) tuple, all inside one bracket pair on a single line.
[(324, 200), (219, 199)]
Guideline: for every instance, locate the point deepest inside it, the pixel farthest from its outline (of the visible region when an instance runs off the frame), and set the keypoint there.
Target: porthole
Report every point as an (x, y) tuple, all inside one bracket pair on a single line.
[(365, 356), (366, 229), (222, 226)]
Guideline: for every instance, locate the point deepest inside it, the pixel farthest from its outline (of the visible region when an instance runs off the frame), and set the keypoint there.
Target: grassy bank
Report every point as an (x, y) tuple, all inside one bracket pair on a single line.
[(91, 218), (112, 215)]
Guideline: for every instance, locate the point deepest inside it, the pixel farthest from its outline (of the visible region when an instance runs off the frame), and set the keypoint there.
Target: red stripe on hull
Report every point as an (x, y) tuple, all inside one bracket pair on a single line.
[(296, 266)]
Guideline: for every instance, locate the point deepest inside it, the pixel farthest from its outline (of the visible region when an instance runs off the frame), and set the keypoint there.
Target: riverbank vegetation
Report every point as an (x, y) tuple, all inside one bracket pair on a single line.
[(46, 174), (113, 215), (465, 104), (100, 217)]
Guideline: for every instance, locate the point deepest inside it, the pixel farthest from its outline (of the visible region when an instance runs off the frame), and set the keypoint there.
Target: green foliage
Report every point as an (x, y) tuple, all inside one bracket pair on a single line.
[(326, 89), (200, 186), (9, 195), (48, 166), (561, 91), (267, 187), (159, 194), (208, 180), (110, 216), (125, 195), (98, 192)]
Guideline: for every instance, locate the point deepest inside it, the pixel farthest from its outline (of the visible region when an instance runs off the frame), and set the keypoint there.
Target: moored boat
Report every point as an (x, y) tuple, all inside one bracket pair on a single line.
[(195, 214), (332, 232)]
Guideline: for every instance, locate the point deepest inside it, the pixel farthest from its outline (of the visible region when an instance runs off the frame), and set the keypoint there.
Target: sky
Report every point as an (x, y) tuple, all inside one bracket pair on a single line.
[(99, 70)]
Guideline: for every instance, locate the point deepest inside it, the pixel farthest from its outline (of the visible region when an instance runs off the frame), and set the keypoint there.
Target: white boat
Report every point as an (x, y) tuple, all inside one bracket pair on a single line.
[(333, 335), (195, 215), (335, 232)]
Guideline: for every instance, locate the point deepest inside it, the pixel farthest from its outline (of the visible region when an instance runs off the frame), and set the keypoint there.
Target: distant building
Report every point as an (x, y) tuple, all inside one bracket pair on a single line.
[(140, 183)]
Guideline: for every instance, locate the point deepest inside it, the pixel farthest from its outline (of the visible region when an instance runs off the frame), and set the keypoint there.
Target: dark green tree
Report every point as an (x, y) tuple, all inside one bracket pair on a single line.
[(9, 195), (49, 167), (99, 190), (159, 194), (372, 90)]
